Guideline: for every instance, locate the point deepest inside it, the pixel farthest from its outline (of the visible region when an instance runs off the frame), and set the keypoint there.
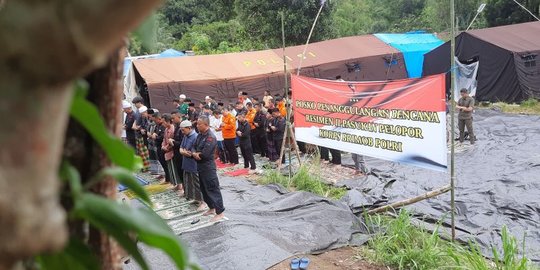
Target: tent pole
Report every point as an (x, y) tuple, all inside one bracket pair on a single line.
[(452, 122), (309, 37), (523, 7), (288, 109)]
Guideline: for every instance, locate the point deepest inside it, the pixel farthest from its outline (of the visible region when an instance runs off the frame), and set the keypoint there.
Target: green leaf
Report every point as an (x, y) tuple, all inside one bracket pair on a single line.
[(115, 219), (127, 179), (81, 89), (89, 211), (88, 116), (76, 255), (69, 174)]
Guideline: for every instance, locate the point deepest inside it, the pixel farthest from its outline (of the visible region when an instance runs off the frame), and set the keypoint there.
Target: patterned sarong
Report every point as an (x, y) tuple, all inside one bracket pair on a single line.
[(142, 151), (192, 187)]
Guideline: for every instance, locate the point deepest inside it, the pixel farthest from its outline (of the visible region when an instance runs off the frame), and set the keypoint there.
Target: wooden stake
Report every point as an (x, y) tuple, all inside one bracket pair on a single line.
[(288, 128), (453, 125), (402, 203), (288, 132)]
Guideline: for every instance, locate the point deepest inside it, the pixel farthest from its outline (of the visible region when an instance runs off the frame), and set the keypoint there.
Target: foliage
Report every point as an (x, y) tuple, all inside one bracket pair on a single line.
[(529, 106), (373, 16), (222, 26), (531, 102), (306, 180), (181, 14), (351, 18), (503, 12), (119, 221), (437, 15), (216, 37), (262, 20), (405, 246), (152, 36), (399, 243)]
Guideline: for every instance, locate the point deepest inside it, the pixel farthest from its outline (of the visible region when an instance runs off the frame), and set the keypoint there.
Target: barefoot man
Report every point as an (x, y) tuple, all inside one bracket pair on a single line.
[(205, 147)]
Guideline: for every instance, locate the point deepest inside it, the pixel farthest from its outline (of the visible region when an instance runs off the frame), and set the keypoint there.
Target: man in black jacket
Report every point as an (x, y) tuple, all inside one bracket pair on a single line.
[(128, 124), (260, 133), (278, 131), (205, 147), (177, 140), (243, 132), (158, 136)]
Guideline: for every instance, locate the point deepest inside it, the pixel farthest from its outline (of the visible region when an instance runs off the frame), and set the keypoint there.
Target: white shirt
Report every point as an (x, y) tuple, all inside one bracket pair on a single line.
[(214, 124), (246, 101)]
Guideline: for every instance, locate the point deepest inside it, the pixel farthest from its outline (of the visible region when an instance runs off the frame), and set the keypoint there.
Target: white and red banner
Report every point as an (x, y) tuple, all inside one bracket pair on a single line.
[(402, 121)]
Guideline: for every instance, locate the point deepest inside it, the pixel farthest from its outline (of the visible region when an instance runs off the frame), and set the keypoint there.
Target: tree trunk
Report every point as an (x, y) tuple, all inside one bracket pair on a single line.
[(31, 135), (46, 45), (88, 157)]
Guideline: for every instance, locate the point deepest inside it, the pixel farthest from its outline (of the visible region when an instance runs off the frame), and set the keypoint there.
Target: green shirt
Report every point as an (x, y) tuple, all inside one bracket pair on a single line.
[(465, 102), (183, 110)]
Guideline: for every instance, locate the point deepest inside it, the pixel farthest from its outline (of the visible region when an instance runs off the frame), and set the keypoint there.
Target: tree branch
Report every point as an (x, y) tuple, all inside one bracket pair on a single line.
[(55, 41)]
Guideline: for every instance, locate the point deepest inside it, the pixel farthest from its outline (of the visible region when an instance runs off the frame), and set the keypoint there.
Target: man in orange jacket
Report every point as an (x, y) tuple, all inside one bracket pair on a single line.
[(281, 106), (250, 117), (228, 127)]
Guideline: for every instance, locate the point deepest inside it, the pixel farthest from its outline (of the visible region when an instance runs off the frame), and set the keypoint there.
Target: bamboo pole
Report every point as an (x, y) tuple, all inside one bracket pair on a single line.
[(453, 124), (309, 37), (288, 127), (416, 199), (286, 88)]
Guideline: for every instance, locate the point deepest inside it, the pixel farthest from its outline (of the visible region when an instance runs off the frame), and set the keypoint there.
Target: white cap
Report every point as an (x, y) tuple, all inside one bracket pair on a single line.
[(143, 109), (183, 96), (126, 104), (207, 97), (185, 124)]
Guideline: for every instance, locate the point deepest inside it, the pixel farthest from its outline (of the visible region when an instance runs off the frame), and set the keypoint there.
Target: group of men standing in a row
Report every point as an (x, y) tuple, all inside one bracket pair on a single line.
[(185, 149)]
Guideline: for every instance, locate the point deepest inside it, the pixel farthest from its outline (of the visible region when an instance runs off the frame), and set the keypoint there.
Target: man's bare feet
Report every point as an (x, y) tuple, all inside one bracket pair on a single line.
[(217, 217), (209, 212), (202, 207)]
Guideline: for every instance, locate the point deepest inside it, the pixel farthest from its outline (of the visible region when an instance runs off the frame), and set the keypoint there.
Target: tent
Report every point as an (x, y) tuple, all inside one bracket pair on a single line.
[(224, 75), (170, 53), (130, 90), (506, 58), (413, 45)]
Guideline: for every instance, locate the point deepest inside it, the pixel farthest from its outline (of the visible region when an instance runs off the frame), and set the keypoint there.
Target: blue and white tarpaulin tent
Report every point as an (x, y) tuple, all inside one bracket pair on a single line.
[(413, 45), (129, 78)]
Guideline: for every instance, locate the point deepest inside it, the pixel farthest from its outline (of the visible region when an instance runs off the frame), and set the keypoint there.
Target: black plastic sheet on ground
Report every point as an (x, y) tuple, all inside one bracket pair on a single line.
[(267, 224), (498, 183)]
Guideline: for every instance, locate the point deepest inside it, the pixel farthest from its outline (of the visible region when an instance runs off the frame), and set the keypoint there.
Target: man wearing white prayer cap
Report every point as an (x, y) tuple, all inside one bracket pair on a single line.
[(143, 109), (126, 104)]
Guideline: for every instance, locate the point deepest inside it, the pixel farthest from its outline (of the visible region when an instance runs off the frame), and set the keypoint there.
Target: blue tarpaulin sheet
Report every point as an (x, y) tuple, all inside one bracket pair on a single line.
[(164, 54), (413, 46)]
